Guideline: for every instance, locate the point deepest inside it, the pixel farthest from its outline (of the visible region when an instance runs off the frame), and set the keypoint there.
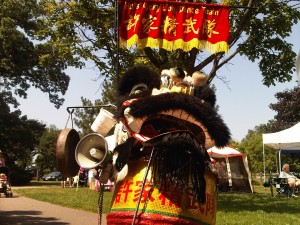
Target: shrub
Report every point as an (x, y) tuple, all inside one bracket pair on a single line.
[(19, 176)]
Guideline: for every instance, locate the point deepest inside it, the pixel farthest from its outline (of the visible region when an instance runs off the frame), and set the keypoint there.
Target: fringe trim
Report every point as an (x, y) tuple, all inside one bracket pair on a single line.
[(221, 46), (179, 163)]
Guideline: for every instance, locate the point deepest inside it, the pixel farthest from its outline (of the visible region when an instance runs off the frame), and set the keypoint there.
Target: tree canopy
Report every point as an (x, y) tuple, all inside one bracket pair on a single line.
[(252, 145), (19, 136), (44, 38), (86, 30), (46, 158), (26, 60), (287, 115), (287, 109)]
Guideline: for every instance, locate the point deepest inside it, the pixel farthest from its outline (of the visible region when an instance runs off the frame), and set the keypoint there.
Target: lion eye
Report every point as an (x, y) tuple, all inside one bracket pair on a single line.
[(138, 88)]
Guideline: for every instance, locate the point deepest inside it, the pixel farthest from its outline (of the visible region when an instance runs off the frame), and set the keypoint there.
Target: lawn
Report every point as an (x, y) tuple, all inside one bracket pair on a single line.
[(78, 198), (258, 208)]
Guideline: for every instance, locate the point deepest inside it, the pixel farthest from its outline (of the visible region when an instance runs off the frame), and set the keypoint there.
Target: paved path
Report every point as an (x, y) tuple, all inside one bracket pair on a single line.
[(20, 210)]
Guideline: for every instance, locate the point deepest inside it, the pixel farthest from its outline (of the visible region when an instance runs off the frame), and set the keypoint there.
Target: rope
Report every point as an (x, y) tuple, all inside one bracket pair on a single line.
[(72, 120), (70, 116), (68, 120)]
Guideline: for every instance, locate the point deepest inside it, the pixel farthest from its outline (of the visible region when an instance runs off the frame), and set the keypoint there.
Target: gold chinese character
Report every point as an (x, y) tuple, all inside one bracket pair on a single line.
[(132, 21), (208, 27), (147, 24), (169, 26), (190, 26)]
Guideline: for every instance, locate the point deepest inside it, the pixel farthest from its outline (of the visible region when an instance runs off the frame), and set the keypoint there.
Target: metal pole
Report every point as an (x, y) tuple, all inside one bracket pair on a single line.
[(279, 159), (142, 189), (88, 107), (264, 164), (117, 40), (276, 161), (201, 4)]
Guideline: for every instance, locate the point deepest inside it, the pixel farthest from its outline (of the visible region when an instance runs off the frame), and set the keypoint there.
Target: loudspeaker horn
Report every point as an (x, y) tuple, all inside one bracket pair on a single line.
[(92, 151)]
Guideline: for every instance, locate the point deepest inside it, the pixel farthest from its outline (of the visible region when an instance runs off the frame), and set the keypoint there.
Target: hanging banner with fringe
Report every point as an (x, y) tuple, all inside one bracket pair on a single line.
[(173, 25)]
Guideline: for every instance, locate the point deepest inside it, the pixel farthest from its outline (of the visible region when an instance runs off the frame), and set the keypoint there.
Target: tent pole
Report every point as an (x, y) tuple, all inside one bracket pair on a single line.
[(279, 156), (276, 161), (264, 164), (229, 172), (245, 162)]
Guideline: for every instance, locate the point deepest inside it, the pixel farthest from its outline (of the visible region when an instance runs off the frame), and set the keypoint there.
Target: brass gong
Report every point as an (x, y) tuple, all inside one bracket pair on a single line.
[(65, 152)]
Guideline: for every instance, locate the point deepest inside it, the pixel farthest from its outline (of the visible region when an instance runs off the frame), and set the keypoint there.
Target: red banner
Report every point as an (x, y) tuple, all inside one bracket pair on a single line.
[(174, 25)]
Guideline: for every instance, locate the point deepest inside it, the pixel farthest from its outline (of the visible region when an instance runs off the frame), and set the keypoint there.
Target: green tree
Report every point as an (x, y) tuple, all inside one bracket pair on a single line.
[(258, 31), (86, 31), (85, 117), (287, 109), (253, 147), (45, 37), (46, 158), (27, 61), (19, 135), (287, 115)]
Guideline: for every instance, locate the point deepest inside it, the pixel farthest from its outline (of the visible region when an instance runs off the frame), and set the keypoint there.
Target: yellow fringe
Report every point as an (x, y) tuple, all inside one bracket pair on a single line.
[(221, 46)]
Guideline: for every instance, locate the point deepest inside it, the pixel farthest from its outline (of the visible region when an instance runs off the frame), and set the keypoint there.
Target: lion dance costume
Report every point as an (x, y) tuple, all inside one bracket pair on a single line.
[(160, 166)]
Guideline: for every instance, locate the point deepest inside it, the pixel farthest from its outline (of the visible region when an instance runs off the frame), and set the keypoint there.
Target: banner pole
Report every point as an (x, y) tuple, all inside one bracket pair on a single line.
[(264, 163), (117, 40)]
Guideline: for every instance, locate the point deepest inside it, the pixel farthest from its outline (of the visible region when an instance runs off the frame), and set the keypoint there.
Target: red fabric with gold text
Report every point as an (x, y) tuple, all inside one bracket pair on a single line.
[(174, 25)]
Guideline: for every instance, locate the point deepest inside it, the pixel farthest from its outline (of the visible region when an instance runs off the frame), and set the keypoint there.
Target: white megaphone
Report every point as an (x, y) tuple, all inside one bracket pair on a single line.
[(92, 151)]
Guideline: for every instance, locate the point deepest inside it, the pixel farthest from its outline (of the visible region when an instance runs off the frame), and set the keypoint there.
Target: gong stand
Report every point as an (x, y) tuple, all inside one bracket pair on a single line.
[(72, 108), (69, 134), (89, 107)]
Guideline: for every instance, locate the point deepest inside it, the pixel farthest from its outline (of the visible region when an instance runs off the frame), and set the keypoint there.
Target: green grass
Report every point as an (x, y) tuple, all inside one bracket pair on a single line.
[(258, 208), (36, 183), (81, 198)]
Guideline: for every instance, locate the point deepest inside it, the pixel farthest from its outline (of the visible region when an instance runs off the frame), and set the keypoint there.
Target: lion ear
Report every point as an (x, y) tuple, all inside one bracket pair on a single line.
[(207, 94), (122, 174), (123, 152)]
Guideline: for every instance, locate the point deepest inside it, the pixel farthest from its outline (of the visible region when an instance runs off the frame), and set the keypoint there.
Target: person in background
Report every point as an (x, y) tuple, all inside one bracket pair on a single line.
[(199, 79), (63, 182), (293, 181), (75, 180), (2, 161), (70, 181), (3, 181)]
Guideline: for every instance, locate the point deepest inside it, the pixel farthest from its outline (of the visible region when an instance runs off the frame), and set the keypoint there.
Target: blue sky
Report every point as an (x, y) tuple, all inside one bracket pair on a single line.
[(243, 101)]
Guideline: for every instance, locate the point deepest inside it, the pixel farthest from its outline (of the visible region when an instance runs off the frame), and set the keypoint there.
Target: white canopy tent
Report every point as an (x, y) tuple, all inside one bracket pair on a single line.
[(288, 139), (237, 175)]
